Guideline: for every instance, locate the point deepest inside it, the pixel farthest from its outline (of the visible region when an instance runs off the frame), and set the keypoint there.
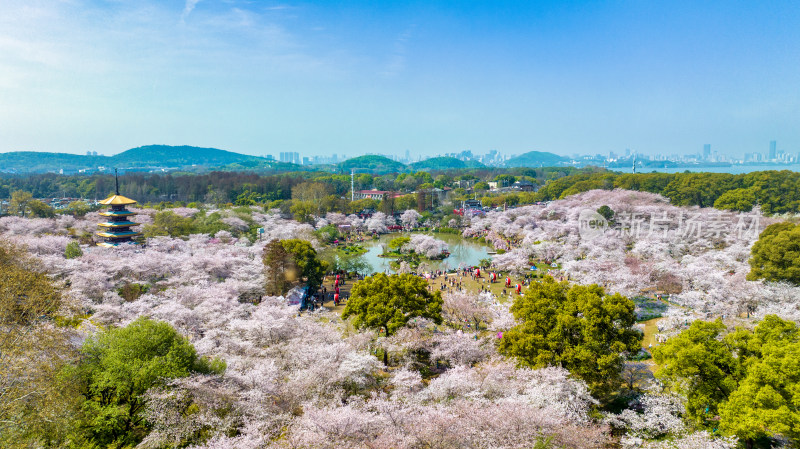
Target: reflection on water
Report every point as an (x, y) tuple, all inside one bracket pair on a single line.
[(463, 252)]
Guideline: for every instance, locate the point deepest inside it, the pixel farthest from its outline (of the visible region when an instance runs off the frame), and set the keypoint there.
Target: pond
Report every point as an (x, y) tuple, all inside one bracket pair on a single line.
[(463, 252)]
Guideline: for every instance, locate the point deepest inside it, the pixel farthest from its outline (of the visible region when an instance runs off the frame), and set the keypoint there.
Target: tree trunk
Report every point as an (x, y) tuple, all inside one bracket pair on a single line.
[(385, 357)]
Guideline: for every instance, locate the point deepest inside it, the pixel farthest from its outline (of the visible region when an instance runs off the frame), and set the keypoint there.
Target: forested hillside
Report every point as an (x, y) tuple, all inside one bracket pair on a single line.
[(150, 156)]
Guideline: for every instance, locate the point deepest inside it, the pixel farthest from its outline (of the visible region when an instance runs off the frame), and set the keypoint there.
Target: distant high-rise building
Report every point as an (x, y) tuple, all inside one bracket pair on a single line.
[(627, 152), (290, 157), (706, 151), (773, 147)]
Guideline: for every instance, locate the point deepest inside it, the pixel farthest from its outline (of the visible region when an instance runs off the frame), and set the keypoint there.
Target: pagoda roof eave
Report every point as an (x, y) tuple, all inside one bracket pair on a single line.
[(119, 213), (110, 235), (117, 200), (121, 224), (114, 245)]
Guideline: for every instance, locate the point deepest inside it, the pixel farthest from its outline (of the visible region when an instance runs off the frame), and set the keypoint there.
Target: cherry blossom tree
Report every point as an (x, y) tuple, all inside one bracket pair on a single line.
[(410, 218), (307, 380), (461, 307), (661, 414), (426, 245), (460, 348), (377, 223)]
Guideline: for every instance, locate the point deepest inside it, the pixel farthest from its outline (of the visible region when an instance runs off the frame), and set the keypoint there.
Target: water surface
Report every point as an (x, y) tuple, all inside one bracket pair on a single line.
[(463, 252)]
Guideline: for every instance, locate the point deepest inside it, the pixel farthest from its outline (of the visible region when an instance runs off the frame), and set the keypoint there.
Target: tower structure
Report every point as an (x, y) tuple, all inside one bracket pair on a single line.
[(117, 227)]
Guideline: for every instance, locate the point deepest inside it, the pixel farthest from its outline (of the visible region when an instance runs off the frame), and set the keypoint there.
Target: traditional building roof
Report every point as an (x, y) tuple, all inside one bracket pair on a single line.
[(118, 234), (116, 229), (117, 224), (117, 213), (117, 200)]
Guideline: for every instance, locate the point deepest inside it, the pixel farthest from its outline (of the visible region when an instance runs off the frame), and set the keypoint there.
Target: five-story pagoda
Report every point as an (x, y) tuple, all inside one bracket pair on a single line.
[(117, 228)]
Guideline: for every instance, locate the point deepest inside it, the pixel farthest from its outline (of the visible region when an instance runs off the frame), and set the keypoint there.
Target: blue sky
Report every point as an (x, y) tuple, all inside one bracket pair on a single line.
[(352, 77)]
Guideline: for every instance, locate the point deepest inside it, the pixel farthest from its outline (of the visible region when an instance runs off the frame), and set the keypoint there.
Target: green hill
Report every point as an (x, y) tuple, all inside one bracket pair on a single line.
[(443, 163), (37, 162), (372, 163), (179, 156), (150, 156), (536, 159)]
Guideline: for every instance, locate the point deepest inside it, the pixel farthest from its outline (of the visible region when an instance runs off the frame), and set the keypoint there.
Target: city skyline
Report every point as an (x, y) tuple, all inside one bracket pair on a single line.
[(390, 78), (708, 154)]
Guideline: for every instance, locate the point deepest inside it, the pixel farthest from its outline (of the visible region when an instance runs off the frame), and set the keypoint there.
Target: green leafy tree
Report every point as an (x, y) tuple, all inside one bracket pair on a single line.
[(248, 198), (206, 223), (39, 209), (78, 208), (73, 250), (387, 205), (363, 181), (311, 193), (303, 211), (364, 203), (398, 242), (603, 181), (776, 191), (120, 365), (443, 181), (279, 268), (405, 202), (37, 400), (606, 212), (644, 182), (766, 403), (333, 203), (20, 203), (737, 199), (305, 258), (776, 254), (131, 291), (505, 180), (328, 233), (288, 262), (701, 357), (578, 327), (699, 189), (387, 303), (746, 383), (169, 223)]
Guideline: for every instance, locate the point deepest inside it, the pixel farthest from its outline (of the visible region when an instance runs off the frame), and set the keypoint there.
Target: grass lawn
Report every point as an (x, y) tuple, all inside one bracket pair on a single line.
[(474, 286), (469, 284)]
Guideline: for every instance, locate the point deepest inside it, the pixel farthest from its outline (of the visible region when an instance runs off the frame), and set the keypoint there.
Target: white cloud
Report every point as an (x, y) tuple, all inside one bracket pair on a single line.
[(187, 9), (397, 58)]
